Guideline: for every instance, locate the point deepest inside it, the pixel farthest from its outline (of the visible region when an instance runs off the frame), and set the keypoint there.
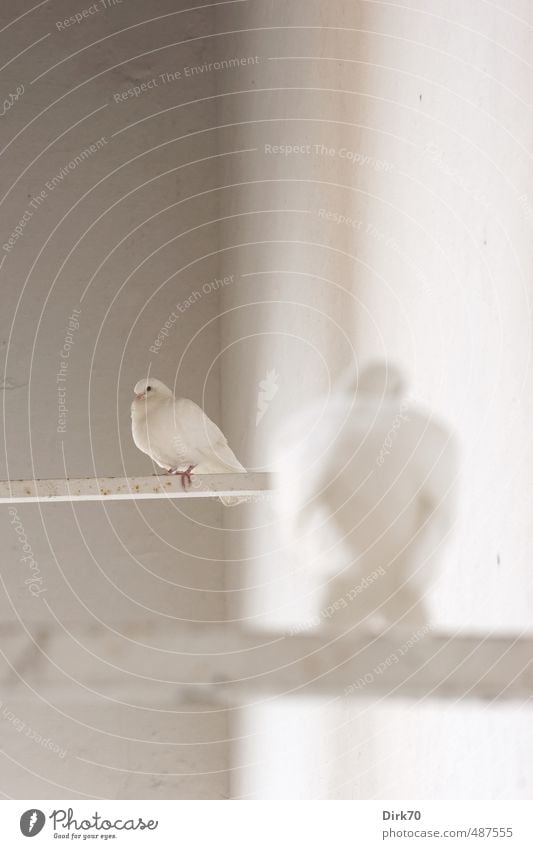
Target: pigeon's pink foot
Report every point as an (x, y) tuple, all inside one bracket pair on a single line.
[(185, 476)]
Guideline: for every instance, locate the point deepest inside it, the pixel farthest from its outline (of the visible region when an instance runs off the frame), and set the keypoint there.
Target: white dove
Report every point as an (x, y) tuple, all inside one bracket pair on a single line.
[(177, 435), (365, 482)]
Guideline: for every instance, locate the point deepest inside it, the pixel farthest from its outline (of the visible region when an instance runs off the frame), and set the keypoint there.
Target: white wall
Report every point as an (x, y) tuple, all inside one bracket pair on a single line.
[(434, 276), (122, 575)]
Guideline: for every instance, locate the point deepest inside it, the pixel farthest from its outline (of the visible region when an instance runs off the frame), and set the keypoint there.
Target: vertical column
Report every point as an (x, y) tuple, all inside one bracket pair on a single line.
[(287, 233)]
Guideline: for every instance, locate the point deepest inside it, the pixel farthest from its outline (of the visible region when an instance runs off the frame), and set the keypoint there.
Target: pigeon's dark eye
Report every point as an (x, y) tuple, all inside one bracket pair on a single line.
[(148, 388)]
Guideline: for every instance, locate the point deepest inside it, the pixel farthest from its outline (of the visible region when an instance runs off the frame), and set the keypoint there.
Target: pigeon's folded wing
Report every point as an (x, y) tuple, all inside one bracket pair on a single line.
[(208, 439), (216, 457)]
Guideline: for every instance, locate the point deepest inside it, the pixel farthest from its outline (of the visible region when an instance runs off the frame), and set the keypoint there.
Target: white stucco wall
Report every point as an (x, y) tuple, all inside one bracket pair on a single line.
[(125, 220), (433, 273)]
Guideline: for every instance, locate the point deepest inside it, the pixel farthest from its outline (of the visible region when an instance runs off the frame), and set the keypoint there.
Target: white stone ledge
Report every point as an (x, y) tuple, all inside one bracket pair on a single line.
[(229, 664), (123, 489)]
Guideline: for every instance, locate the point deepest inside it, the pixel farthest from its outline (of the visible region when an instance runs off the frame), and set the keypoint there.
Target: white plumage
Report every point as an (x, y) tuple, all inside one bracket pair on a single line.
[(365, 495), (178, 436)]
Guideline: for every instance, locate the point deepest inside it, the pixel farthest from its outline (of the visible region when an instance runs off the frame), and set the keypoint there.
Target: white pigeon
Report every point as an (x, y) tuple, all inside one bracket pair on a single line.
[(365, 481), (178, 436)]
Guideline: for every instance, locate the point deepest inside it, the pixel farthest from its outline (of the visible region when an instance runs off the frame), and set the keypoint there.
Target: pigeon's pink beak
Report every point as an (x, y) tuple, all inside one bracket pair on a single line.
[(140, 397)]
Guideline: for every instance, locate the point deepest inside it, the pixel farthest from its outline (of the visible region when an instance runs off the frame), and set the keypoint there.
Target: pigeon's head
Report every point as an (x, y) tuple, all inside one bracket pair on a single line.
[(151, 388)]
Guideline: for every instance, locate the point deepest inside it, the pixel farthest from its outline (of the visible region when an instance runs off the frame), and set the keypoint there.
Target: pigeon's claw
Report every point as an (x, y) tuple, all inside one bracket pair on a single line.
[(185, 476)]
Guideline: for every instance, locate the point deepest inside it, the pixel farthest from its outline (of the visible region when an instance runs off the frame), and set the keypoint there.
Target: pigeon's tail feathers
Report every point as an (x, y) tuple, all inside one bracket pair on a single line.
[(229, 461), (224, 463), (232, 500), (218, 465)]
